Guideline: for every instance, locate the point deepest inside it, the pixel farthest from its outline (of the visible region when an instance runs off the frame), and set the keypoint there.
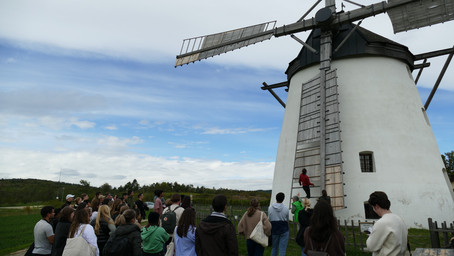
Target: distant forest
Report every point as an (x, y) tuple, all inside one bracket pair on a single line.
[(35, 191)]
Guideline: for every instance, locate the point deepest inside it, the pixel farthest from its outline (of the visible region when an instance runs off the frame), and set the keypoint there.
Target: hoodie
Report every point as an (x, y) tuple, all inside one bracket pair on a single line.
[(278, 215), (153, 239), (132, 231), (216, 235)]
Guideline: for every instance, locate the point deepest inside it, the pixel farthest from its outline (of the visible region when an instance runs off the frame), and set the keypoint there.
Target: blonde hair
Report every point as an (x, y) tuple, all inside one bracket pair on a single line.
[(306, 203), (103, 212)]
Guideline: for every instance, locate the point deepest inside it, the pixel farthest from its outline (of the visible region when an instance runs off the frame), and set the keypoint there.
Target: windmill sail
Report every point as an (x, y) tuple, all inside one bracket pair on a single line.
[(203, 47), (421, 14)]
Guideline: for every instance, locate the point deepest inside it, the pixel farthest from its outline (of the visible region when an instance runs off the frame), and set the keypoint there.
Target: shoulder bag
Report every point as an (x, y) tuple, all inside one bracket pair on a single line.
[(78, 246), (170, 248), (258, 234)]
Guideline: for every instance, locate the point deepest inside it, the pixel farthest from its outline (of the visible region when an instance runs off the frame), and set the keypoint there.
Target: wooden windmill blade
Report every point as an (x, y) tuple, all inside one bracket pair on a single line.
[(203, 47), (420, 14)]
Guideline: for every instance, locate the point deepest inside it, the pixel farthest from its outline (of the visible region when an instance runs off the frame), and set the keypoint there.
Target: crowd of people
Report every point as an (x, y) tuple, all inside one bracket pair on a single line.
[(112, 226)]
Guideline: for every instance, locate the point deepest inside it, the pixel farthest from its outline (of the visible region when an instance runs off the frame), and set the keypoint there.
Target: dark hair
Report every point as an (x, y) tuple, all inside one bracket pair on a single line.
[(186, 202), (81, 216), (139, 195), (323, 223), (129, 192), (95, 204), (127, 216), (380, 198), (81, 206), (253, 206), (153, 219), (158, 192), (175, 198), (324, 193), (219, 203), (280, 197), (186, 220), (65, 214), (46, 210), (304, 171)]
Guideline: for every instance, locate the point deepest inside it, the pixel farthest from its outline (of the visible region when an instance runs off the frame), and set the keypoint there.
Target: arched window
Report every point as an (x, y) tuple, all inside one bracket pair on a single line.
[(366, 160)]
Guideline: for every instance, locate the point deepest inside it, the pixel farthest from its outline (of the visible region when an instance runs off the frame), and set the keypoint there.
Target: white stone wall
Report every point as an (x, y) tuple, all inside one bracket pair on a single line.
[(380, 111)]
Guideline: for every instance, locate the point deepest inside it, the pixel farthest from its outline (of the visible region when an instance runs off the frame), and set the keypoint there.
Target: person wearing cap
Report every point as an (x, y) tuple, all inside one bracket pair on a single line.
[(69, 200)]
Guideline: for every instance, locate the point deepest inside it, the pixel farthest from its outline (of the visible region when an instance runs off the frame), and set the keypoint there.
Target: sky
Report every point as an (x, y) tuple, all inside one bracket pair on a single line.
[(88, 90)]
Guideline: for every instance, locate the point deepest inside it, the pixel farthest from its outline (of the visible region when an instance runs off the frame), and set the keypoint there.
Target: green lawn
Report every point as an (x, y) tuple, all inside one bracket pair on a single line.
[(16, 233)]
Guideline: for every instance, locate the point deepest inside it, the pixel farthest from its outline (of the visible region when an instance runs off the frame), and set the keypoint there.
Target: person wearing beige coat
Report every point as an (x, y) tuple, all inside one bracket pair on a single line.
[(248, 222)]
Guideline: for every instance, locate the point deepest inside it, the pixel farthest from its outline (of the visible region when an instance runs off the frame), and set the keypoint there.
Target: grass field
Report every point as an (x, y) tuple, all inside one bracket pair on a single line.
[(16, 232)]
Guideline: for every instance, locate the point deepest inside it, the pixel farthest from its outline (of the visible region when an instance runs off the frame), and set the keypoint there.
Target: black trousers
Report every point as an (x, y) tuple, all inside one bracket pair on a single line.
[(308, 191)]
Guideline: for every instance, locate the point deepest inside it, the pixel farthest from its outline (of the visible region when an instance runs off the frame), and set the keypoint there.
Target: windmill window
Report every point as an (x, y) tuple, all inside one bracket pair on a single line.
[(366, 161)]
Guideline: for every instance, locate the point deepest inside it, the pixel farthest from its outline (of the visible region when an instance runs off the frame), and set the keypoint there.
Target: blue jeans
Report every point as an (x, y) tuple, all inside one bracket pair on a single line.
[(254, 248), (280, 244), (302, 251)]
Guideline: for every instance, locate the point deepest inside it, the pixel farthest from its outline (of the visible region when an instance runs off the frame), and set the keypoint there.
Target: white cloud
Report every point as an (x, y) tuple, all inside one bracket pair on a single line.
[(10, 60), (117, 170), (112, 141), (58, 123), (111, 127), (215, 130)]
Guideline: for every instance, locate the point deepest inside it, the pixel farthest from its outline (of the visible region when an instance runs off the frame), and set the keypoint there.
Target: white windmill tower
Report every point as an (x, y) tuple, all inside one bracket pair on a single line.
[(353, 116)]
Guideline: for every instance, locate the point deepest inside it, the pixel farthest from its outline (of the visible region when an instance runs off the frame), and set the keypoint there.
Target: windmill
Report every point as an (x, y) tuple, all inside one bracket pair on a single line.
[(353, 115)]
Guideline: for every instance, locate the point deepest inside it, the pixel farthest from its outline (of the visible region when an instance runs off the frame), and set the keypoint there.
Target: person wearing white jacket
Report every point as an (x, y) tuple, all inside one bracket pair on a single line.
[(389, 233), (81, 222)]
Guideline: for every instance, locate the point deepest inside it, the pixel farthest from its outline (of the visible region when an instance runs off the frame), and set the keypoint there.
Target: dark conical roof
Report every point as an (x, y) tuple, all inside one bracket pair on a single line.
[(361, 43)]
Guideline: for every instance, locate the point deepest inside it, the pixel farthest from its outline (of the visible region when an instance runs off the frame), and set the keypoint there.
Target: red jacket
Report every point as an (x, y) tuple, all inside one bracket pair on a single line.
[(304, 180)]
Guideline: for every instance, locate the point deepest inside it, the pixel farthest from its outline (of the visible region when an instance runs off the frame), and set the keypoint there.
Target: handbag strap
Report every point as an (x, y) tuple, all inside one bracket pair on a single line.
[(82, 231), (326, 247)]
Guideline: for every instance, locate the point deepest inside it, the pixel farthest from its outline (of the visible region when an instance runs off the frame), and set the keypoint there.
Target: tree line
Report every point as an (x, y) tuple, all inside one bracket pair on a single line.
[(27, 191)]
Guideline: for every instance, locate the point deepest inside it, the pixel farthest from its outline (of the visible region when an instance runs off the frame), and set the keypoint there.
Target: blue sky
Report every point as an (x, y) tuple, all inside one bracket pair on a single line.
[(98, 98)]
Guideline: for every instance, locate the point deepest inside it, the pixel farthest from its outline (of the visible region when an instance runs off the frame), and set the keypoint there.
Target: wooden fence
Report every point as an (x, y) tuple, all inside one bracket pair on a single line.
[(445, 232)]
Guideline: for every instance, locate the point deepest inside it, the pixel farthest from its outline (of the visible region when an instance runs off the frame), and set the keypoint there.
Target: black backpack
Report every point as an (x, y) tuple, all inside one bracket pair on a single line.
[(116, 246), (169, 220)]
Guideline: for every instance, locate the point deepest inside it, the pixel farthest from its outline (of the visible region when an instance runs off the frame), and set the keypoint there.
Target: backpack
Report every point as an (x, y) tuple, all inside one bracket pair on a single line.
[(313, 252), (78, 246), (169, 220), (116, 246)]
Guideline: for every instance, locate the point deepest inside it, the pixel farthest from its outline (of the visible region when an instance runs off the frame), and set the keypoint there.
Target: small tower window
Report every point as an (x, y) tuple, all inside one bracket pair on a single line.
[(366, 160)]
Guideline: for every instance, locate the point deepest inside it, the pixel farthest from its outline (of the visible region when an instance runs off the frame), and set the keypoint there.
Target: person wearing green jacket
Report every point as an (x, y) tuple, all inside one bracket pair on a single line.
[(153, 236), (297, 206)]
